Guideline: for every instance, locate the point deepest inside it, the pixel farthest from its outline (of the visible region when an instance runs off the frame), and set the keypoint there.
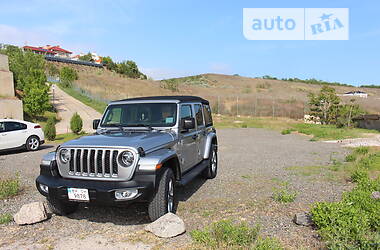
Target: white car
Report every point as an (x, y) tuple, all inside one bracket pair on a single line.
[(20, 134)]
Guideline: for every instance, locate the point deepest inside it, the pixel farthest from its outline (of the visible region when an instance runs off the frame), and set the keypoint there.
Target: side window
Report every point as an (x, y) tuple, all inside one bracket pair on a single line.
[(208, 117), (186, 111), (2, 127), (14, 126), (198, 114)]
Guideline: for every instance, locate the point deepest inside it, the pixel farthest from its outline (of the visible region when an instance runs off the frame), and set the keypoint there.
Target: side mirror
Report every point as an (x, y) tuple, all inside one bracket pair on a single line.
[(187, 123), (95, 123)]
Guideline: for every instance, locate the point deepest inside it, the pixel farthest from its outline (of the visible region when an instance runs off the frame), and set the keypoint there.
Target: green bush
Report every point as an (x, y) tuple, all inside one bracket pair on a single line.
[(244, 126), (284, 194), (67, 76), (9, 187), (351, 158), (226, 234), (5, 218), (267, 244), (353, 222), (49, 129), (287, 131), (76, 123), (358, 175)]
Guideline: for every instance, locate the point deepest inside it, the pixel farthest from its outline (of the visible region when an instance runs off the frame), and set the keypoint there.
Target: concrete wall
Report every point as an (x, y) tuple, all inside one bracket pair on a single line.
[(6, 84), (11, 108), (4, 66)]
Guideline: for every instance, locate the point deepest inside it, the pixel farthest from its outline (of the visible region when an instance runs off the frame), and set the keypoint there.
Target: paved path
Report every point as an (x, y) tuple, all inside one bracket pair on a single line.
[(66, 106)]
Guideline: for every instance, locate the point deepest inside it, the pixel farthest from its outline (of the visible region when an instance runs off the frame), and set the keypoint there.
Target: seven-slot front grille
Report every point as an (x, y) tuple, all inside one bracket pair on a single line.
[(93, 162)]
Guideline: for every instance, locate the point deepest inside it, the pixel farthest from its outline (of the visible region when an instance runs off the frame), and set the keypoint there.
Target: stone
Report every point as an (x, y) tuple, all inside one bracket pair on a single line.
[(167, 226), (376, 195), (31, 213), (303, 219)]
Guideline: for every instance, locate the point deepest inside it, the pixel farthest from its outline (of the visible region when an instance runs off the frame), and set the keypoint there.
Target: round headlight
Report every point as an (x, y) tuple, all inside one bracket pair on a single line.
[(127, 158), (64, 155)]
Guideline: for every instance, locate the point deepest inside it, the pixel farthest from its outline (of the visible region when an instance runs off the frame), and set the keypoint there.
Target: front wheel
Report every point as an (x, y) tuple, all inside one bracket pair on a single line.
[(163, 201), (32, 143), (212, 168)]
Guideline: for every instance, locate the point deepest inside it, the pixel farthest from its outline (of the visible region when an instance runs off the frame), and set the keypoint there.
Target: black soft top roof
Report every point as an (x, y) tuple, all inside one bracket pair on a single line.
[(181, 98)]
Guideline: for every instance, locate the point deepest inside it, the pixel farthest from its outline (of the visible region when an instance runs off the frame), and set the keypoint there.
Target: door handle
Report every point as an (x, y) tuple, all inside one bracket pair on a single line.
[(194, 137)]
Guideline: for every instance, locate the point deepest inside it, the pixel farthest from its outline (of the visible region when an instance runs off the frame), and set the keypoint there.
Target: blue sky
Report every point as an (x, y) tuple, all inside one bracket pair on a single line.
[(177, 38)]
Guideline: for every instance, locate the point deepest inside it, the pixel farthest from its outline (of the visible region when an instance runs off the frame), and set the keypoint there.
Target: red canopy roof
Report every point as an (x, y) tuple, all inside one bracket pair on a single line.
[(57, 48), (39, 49)]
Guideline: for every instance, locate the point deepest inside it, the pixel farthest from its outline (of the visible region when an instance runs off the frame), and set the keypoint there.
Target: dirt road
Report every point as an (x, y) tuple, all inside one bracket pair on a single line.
[(66, 106), (252, 162)]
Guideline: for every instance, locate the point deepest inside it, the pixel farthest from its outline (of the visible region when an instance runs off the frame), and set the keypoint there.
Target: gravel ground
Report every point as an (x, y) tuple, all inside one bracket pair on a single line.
[(252, 162)]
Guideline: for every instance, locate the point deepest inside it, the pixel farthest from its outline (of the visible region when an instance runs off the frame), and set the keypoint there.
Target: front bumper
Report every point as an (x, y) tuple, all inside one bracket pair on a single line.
[(101, 192)]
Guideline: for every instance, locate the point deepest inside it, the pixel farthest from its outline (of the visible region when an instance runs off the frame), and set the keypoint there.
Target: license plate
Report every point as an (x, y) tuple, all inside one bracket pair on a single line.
[(78, 194)]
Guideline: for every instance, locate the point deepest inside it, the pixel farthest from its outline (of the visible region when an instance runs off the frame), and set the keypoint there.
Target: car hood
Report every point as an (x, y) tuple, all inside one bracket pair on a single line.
[(146, 140)]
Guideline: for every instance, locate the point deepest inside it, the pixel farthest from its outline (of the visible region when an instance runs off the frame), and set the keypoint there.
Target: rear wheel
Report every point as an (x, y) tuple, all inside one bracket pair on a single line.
[(32, 143), (212, 169), (163, 201), (59, 207)]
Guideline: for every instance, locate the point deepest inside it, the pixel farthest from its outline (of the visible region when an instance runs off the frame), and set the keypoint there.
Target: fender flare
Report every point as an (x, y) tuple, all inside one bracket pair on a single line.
[(210, 137)]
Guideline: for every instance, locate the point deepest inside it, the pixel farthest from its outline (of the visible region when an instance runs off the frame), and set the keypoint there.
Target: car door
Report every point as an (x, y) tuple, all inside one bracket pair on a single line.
[(188, 145), (201, 131), (3, 136), (15, 134)]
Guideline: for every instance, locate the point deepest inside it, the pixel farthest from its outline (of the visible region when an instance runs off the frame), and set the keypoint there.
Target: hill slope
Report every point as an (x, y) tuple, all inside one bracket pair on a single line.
[(253, 96)]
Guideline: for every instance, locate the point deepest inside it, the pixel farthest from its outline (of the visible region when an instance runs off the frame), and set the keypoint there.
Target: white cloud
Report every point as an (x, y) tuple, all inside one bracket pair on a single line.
[(20, 37)]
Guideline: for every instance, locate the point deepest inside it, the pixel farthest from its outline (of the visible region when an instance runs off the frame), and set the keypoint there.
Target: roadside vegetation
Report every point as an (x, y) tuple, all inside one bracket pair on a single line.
[(9, 187), (97, 105), (225, 234), (283, 193), (29, 77), (5, 218), (354, 221)]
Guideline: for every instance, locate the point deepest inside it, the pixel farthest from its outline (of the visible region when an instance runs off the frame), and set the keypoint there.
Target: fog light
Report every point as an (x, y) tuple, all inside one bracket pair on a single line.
[(44, 188), (126, 194)]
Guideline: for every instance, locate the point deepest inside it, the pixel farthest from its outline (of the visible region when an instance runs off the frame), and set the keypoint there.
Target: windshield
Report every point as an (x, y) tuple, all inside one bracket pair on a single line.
[(140, 114)]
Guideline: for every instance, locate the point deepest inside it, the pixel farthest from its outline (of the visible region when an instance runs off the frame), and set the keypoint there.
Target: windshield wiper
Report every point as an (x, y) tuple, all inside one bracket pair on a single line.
[(140, 125)]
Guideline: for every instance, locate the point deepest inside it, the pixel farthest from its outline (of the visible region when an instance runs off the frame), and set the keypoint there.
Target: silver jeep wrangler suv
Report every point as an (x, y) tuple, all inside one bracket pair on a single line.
[(142, 149)]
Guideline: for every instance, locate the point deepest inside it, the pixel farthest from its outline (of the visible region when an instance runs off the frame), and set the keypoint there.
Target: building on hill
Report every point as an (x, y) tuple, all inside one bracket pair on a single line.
[(39, 50), (49, 50), (356, 93), (59, 51)]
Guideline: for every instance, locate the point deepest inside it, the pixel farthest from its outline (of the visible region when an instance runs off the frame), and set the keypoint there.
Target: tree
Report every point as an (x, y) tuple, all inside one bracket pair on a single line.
[(76, 123), (325, 105), (108, 63), (36, 99), (67, 76), (347, 112), (87, 57), (49, 130), (52, 70)]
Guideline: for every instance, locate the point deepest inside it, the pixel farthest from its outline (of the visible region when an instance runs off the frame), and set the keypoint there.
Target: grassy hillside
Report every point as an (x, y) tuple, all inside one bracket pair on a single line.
[(228, 94)]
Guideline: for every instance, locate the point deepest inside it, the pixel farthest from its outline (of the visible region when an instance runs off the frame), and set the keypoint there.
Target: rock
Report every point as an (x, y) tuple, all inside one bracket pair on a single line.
[(303, 219), (167, 226), (376, 195), (31, 213)]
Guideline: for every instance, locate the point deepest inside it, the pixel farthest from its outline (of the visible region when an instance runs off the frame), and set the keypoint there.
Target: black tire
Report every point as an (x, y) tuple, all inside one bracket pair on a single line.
[(211, 171), (159, 205), (60, 207), (33, 143)]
